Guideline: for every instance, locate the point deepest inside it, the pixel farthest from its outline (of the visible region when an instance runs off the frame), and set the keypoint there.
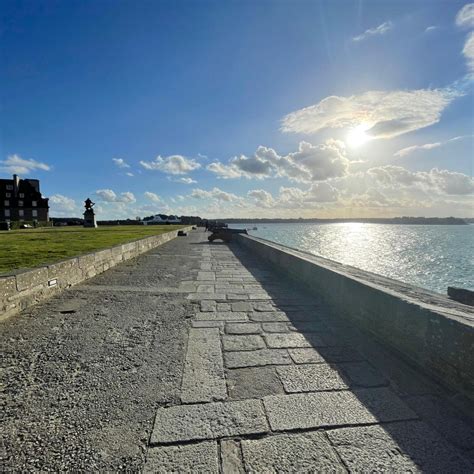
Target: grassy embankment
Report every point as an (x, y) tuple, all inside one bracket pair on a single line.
[(30, 248)]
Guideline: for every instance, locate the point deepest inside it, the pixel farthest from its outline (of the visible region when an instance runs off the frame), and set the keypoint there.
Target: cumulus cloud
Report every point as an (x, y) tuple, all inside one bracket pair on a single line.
[(427, 146), (261, 197), (465, 16), (433, 181), (174, 164), (18, 165), (152, 196), (62, 205), (215, 193), (185, 181), (130, 174), (120, 163), (377, 31), (386, 114), (308, 163), (108, 195)]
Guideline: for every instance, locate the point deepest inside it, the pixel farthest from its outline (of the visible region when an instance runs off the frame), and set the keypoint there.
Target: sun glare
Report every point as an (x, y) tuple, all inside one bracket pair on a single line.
[(357, 136)]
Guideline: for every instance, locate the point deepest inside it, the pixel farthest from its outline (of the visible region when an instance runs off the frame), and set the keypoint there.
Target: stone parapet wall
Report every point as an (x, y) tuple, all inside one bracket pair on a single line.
[(429, 330), (21, 289)]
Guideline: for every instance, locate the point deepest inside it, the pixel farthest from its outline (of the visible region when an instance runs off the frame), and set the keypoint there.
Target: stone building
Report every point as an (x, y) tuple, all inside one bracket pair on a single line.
[(21, 200)]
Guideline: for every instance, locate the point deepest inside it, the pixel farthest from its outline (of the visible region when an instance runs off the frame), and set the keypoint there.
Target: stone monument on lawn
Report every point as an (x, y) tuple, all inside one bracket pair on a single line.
[(89, 215)]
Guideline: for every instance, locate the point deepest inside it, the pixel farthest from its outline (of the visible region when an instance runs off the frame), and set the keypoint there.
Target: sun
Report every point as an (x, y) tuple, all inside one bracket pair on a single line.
[(358, 136)]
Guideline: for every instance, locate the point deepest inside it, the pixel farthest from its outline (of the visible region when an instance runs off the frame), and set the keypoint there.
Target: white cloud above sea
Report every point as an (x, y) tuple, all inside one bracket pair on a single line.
[(386, 114), (174, 164), (379, 30), (152, 196), (308, 163), (15, 164)]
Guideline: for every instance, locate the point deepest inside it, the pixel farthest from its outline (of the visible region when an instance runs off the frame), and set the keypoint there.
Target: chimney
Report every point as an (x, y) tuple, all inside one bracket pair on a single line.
[(16, 184)]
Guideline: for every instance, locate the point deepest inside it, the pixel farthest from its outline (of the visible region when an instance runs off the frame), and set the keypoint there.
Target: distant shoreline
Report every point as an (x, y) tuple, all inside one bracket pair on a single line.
[(393, 220)]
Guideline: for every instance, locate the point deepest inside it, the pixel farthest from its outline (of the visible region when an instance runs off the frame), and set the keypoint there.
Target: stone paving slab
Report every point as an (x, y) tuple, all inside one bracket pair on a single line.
[(231, 457), (208, 421), (308, 452), (291, 340), (268, 316), (261, 357), (203, 378), (325, 354), (243, 328), (188, 458), (275, 327), (311, 378), (324, 409), (221, 316), (250, 342), (361, 374), (253, 382), (397, 447)]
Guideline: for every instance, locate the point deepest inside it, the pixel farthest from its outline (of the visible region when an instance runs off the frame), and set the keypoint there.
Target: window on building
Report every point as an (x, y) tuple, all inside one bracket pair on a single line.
[(34, 203), (7, 212), (8, 195), (9, 187), (34, 213), (21, 212), (20, 203), (6, 202), (22, 195)]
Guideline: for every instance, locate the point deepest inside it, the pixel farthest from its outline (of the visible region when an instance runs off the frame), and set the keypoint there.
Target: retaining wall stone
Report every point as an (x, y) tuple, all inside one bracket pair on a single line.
[(21, 289)]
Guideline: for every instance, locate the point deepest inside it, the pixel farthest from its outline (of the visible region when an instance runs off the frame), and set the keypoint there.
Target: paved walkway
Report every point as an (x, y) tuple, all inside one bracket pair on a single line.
[(249, 372)]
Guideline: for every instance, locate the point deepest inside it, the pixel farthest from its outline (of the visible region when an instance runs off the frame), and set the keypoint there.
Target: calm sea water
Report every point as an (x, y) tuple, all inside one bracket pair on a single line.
[(432, 257)]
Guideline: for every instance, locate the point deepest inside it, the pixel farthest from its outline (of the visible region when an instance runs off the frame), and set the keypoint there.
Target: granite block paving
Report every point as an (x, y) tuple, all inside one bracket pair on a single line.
[(291, 340), (305, 452), (261, 357), (398, 447), (208, 421), (203, 378), (311, 378), (325, 354), (253, 382), (323, 409), (221, 316), (187, 458), (250, 342), (243, 328)]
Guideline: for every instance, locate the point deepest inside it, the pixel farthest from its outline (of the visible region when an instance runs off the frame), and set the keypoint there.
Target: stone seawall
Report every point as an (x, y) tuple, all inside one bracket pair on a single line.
[(21, 289), (427, 329)]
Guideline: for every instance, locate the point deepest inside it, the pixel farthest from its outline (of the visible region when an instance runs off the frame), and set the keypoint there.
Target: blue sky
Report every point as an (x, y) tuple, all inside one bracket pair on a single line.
[(245, 108)]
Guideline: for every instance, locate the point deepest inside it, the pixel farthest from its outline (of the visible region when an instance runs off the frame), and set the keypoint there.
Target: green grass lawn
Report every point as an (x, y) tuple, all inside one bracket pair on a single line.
[(30, 248)]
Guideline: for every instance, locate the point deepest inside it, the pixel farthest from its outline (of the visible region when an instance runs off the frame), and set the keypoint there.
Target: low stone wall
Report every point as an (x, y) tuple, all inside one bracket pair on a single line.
[(429, 330), (21, 289)]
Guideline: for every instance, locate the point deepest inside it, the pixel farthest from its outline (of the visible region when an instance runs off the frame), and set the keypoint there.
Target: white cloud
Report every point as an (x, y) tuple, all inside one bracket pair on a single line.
[(427, 146), (174, 164), (308, 163), (130, 174), (468, 51), (120, 163), (262, 198), (185, 180), (214, 193), (385, 114), (465, 16), (152, 196), (429, 29), (62, 206), (18, 165), (378, 30), (410, 149), (108, 195)]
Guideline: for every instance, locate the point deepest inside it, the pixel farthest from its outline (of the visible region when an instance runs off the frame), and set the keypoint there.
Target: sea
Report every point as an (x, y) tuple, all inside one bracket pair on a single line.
[(428, 256)]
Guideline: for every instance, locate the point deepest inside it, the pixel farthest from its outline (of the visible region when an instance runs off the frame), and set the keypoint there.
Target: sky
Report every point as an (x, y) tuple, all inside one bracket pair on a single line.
[(241, 108)]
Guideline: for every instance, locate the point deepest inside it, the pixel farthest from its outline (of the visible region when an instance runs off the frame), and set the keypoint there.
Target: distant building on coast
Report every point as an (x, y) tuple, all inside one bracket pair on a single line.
[(21, 200)]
